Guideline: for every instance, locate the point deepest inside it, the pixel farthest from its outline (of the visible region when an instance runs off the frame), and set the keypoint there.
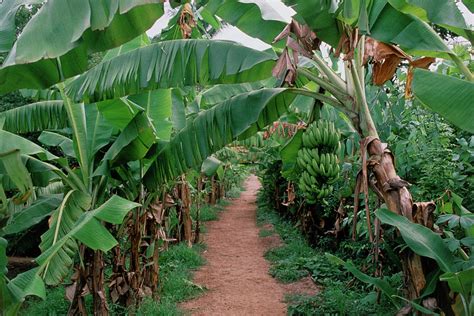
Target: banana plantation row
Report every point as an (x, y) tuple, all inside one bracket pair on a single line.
[(114, 129)]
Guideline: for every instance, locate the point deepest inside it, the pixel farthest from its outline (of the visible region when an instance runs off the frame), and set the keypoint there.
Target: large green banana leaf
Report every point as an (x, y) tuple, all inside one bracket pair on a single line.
[(420, 239), (171, 64), (133, 143), (12, 142), (55, 43), (210, 165), (451, 97), (289, 152), (240, 116), (320, 16), (258, 18), (157, 106), (35, 117), (389, 25), (8, 11), (221, 92), (53, 139), (18, 174), (90, 132), (441, 12), (88, 229), (32, 214), (62, 222)]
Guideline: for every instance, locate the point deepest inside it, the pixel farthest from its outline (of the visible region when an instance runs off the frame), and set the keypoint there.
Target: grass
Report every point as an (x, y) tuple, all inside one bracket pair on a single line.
[(266, 233), (176, 269), (296, 259)]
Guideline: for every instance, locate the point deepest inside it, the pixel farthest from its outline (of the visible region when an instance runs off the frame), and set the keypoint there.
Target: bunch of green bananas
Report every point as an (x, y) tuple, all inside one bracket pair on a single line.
[(318, 160)]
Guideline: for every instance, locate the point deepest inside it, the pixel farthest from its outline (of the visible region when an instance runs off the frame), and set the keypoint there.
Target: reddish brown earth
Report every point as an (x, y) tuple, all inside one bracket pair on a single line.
[(236, 274)]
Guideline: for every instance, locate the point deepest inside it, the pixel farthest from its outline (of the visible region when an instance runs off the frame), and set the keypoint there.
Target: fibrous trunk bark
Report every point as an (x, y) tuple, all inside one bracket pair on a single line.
[(98, 290), (185, 210), (398, 200), (197, 231)]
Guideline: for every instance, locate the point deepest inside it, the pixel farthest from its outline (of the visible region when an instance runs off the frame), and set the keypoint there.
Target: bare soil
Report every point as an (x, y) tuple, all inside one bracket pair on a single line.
[(236, 274)]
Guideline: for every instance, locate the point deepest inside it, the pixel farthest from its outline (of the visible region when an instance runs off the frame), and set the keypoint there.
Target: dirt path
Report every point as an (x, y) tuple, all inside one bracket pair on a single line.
[(236, 274)]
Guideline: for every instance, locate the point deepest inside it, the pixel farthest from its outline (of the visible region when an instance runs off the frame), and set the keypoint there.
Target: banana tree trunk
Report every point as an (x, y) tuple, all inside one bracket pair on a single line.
[(98, 290), (197, 231), (213, 197), (185, 210), (398, 200)]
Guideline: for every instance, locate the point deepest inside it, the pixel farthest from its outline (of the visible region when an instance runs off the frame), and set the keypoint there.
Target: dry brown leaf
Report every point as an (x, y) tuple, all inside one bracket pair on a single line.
[(186, 21), (385, 69), (423, 63), (385, 58)]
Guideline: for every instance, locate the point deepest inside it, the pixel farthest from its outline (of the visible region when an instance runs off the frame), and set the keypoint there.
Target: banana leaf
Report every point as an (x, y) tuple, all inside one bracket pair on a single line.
[(420, 239), (448, 96), (169, 64), (55, 43)]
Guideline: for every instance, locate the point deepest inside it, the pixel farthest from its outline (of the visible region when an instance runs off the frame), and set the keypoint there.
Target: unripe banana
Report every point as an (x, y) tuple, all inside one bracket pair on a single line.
[(322, 168), (314, 141), (311, 171), (315, 166), (305, 140), (317, 137)]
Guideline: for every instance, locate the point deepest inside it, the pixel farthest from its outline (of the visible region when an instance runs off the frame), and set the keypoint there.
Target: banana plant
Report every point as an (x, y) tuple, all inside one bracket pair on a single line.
[(180, 64), (457, 270)]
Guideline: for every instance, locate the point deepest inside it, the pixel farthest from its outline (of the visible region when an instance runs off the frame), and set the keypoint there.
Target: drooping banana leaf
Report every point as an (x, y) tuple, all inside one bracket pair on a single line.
[(388, 25), (32, 214), (41, 95), (321, 18), (132, 144), (219, 93), (258, 18), (57, 258), (157, 105), (11, 142), (57, 140), (420, 239), (289, 152), (18, 174), (35, 117), (448, 96), (55, 43), (441, 12), (238, 117), (137, 42), (63, 220), (171, 64), (8, 11), (210, 165)]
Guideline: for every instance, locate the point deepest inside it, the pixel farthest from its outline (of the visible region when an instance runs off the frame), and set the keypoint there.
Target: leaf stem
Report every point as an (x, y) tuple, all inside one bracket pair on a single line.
[(318, 96), (332, 76), (463, 68), (339, 94)]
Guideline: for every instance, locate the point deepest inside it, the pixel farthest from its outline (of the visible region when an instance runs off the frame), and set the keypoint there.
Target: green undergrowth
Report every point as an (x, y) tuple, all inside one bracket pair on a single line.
[(176, 269), (177, 265), (340, 294)]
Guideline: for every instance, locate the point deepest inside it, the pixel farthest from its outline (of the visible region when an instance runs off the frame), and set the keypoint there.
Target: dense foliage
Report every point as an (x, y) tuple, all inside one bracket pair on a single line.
[(111, 145)]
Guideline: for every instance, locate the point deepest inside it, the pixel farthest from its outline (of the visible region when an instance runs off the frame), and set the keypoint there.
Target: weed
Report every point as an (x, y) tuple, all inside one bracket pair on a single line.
[(338, 299), (266, 233), (54, 304), (297, 259), (234, 192)]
